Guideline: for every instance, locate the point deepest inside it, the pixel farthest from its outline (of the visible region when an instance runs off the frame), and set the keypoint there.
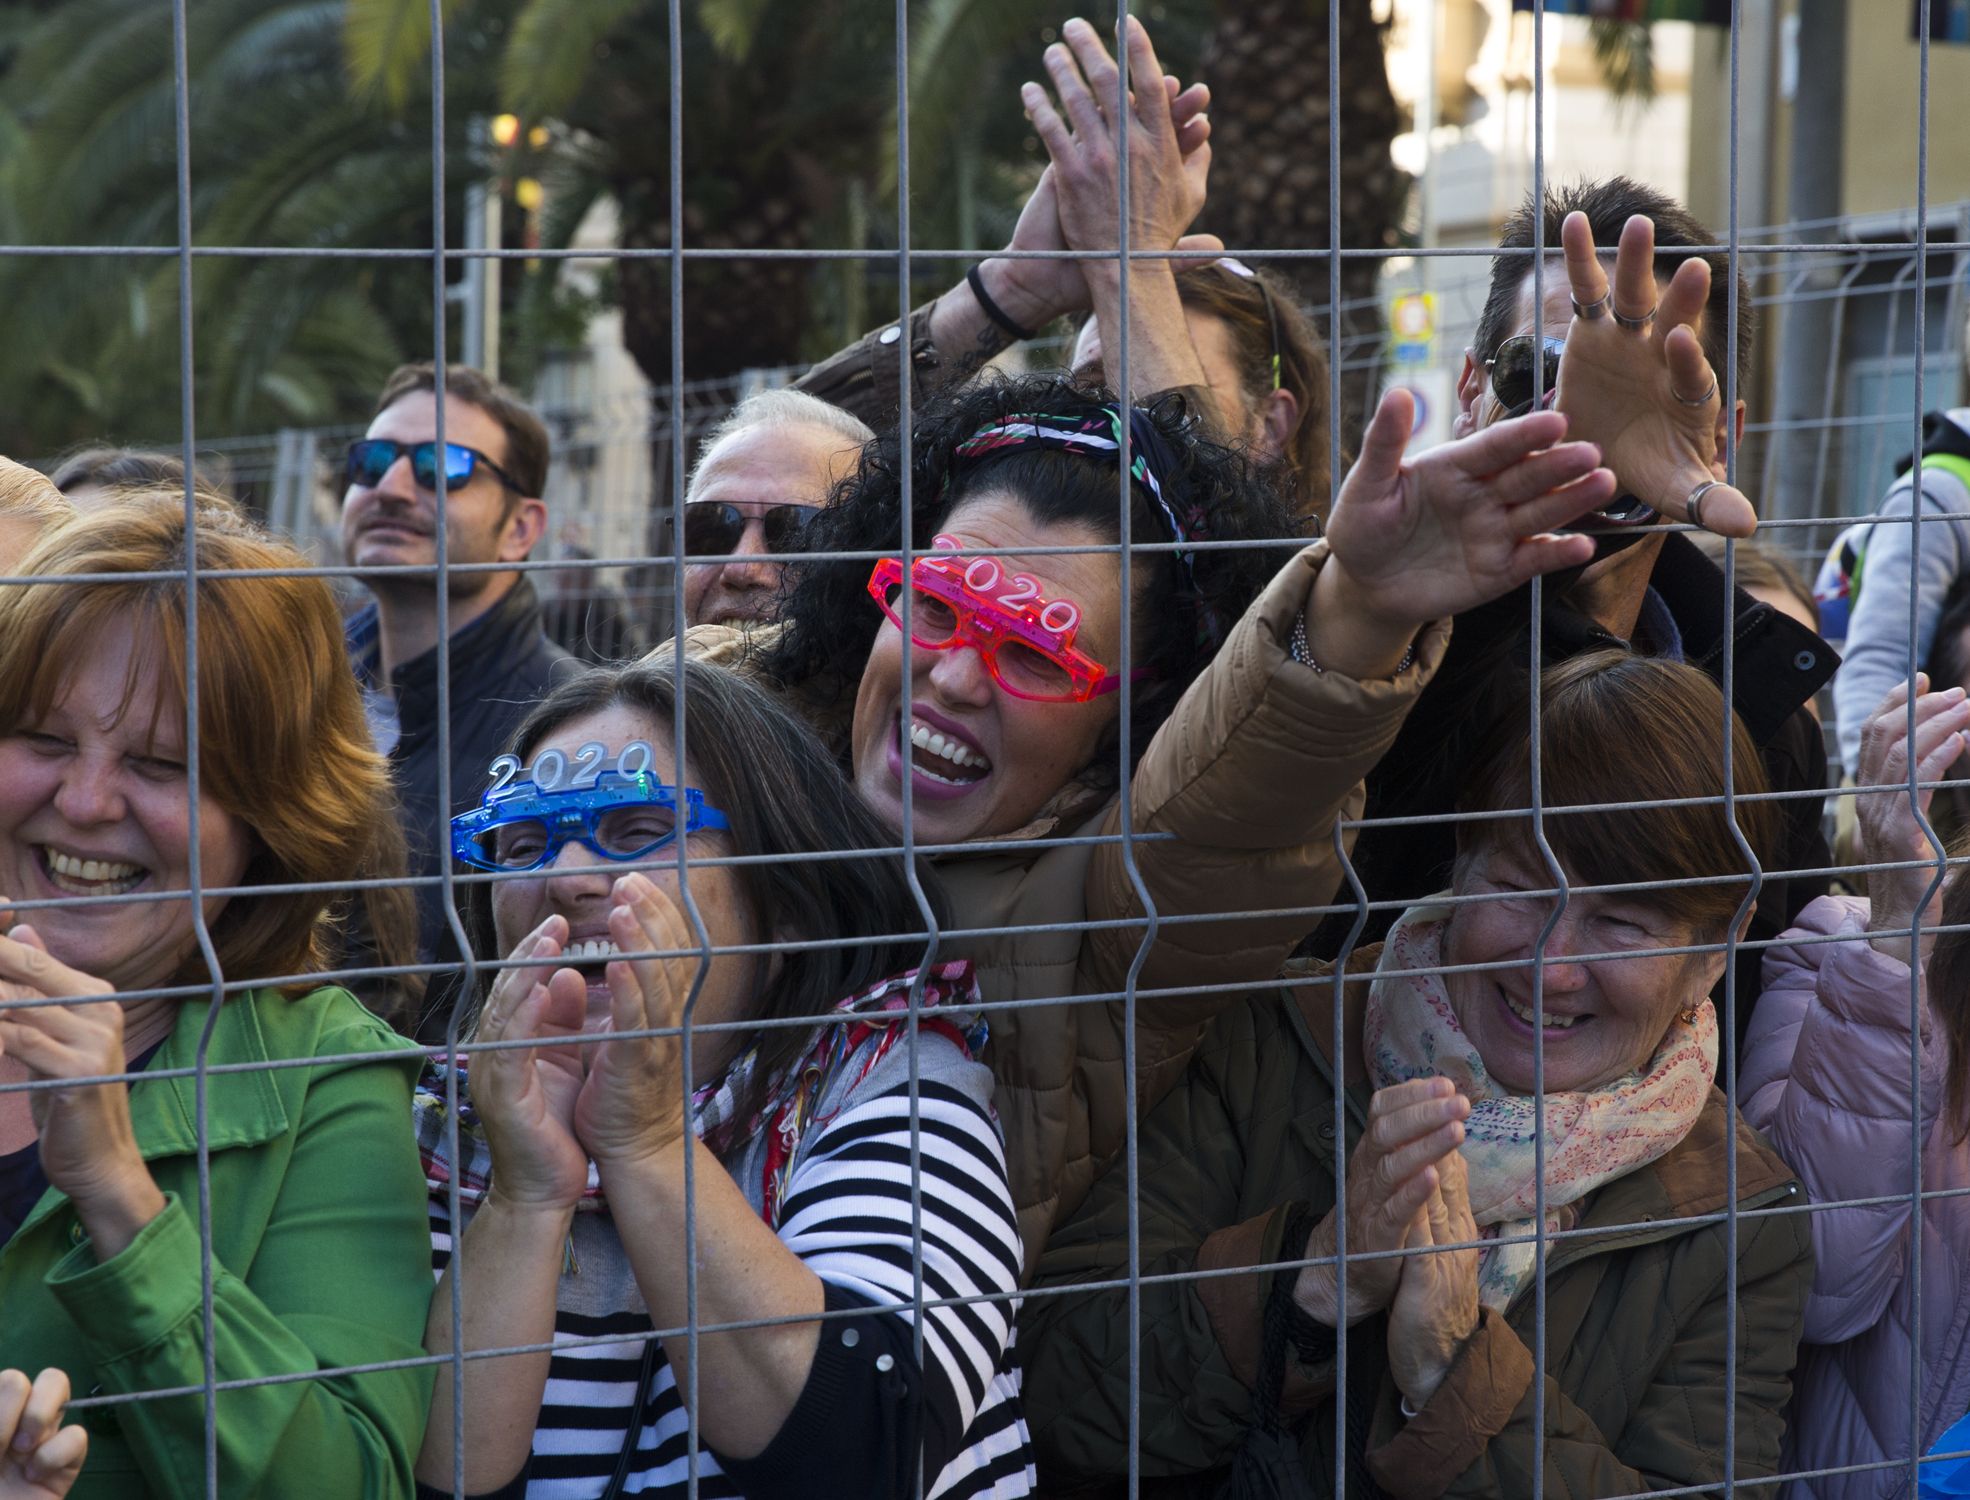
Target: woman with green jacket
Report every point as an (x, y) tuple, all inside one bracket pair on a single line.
[(1432, 1086), (298, 1098)]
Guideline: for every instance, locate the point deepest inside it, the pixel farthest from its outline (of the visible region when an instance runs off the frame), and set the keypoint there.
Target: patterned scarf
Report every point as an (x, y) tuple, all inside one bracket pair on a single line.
[(788, 1105), (1592, 1136)]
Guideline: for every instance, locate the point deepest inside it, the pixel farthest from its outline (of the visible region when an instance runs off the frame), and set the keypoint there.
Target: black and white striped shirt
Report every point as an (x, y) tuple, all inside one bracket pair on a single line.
[(846, 1212)]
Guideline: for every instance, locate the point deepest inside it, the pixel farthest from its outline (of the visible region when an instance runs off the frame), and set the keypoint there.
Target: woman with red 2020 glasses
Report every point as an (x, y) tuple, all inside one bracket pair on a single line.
[(1263, 680)]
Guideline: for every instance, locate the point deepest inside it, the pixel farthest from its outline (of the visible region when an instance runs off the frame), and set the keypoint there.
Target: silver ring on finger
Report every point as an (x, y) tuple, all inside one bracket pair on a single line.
[(1594, 311), (1700, 401), (1636, 325), (1695, 501)]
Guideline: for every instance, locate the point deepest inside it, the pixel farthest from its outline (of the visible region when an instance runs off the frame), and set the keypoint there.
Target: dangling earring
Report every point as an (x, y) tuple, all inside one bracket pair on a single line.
[(1689, 1015)]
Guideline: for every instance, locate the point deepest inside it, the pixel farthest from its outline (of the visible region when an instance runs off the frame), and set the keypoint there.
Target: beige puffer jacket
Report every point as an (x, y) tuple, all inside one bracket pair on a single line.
[(1247, 777)]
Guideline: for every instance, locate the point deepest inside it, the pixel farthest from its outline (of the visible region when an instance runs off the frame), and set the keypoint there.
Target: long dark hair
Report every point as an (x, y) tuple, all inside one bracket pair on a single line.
[(1179, 614), (783, 795)]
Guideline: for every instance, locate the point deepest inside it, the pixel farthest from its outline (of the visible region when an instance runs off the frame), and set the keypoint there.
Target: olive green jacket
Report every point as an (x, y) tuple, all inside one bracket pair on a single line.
[(1635, 1305), (321, 1258)]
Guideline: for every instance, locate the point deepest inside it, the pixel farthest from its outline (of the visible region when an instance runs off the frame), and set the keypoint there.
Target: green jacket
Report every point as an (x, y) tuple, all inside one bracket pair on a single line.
[(1635, 1392), (321, 1258)]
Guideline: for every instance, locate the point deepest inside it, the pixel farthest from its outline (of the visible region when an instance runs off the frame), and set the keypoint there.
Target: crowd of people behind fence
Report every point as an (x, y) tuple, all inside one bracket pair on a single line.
[(1120, 1018)]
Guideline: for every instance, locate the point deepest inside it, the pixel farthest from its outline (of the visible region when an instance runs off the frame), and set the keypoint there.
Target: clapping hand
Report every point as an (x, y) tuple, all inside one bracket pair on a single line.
[(1423, 539), (1413, 1128), (1889, 829), (1635, 380), (88, 1145), (1168, 145), (39, 1458), (631, 1107), (1436, 1304), (526, 1096)]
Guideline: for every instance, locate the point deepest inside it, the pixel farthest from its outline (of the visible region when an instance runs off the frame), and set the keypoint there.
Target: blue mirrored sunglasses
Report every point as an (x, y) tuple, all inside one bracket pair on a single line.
[(521, 827), (370, 459)]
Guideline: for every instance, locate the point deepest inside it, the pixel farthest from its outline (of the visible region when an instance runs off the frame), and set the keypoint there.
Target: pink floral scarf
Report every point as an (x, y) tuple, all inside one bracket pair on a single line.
[(1592, 1137)]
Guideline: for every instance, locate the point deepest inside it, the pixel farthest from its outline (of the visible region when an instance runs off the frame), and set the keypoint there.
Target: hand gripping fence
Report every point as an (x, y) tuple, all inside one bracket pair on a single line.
[(1789, 273)]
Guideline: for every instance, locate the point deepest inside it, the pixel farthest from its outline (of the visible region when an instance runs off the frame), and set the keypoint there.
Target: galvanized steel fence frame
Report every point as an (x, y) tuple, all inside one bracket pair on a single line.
[(935, 941)]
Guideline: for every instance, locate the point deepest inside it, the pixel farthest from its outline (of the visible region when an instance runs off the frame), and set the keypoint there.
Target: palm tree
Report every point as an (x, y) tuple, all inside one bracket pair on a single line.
[(1266, 63), (785, 103), (281, 156), (310, 131)]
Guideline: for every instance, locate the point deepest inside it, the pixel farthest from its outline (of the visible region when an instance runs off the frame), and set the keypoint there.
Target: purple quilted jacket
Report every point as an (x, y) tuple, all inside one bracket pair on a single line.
[(1826, 1076)]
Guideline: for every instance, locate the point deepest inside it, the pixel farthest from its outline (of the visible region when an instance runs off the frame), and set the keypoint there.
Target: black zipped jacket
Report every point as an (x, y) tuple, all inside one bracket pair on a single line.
[(501, 665)]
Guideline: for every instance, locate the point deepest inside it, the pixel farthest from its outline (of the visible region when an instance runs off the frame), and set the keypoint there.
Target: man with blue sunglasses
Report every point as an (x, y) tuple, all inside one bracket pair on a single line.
[(494, 465)]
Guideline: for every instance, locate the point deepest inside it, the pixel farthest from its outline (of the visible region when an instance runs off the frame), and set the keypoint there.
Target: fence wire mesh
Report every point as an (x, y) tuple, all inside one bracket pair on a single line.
[(621, 471)]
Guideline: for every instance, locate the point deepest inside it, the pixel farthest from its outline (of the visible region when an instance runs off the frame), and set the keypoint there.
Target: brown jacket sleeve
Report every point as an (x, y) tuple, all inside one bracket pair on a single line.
[(866, 378), (1250, 773), (1469, 1441), (1236, 1306)]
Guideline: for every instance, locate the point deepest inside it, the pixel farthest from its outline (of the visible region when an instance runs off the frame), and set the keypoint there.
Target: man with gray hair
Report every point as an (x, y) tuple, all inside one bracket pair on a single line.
[(761, 475)]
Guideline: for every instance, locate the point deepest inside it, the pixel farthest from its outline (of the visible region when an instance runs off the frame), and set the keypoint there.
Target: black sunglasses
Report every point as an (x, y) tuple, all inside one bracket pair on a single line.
[(1511, 370), (713, 529), (370, 459)]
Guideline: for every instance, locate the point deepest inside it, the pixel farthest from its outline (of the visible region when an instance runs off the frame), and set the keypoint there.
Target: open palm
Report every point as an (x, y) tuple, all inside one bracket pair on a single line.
[(1647, 394), (1465, 522)]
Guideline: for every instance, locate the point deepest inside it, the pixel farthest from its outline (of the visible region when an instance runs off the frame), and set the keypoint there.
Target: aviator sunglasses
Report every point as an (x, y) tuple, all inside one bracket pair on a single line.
[(1236, 267), (1512, 383), (1511, 370), (371, 458), (713, 528)]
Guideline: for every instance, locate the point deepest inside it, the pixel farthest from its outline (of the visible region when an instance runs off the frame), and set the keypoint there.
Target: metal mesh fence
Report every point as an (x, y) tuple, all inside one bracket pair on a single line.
[(1898, 317)]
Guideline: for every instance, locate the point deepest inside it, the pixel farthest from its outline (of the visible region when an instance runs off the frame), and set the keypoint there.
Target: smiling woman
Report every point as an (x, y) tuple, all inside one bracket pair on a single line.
[(102, 1269), (569, 1160), (1263, 679), (1434, 1071)]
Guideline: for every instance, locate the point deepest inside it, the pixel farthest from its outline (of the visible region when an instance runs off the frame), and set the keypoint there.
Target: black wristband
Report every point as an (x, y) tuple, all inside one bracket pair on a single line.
[(1314, 1341), (993, 310)]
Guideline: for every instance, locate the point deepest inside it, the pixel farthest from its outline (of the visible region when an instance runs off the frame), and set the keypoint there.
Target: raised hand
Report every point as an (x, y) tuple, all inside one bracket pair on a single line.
[(1168, 144), (1646, 393), (1035, 292), (526, 1096), (1436, 1303), (39, 1458), (1415, 541), (1412, 1128), (88, 1145), (632, 1105), (1889, 830)]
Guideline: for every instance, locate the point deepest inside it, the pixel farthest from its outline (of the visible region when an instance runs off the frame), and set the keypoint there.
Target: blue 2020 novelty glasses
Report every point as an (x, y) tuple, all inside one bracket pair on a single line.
[(517, 826)]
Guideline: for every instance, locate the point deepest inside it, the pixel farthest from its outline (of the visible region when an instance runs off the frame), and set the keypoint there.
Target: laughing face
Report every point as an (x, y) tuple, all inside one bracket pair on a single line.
[(576, 887), (977, 760), (94, 802), (1602, 1018)]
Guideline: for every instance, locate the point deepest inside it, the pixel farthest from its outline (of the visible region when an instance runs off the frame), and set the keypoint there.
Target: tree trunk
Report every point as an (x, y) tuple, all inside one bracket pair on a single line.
[(1266, 64), (739, 314)]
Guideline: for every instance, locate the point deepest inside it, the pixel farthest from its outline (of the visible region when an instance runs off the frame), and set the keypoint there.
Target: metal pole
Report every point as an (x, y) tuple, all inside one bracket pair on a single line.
[(1813, 196)]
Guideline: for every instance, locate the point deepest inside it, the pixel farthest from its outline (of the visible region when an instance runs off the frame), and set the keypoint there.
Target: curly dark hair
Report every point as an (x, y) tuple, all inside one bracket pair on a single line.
[(831, 623)]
